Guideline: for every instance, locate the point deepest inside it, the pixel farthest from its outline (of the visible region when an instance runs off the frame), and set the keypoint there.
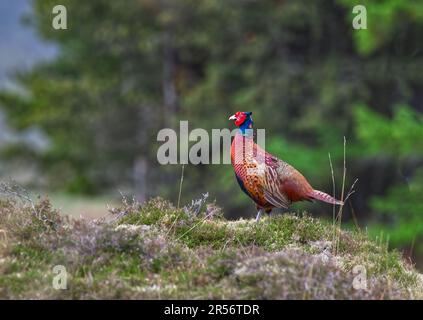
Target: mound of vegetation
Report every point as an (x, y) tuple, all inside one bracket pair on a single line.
[(156, 251)]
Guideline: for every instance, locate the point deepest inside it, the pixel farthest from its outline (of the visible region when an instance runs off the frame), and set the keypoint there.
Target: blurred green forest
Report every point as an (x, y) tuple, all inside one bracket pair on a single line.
[(127, 69)]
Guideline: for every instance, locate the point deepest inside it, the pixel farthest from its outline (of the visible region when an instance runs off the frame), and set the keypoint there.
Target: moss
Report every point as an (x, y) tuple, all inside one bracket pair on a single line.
[(204, 233), (156, 251), (222, 264), (154, 212)]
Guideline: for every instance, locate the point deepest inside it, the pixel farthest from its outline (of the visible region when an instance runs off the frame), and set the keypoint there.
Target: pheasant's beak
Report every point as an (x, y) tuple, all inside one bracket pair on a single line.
[(233, 117)]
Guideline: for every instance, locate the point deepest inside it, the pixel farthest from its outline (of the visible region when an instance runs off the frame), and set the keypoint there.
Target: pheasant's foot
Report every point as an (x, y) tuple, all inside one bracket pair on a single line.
[(258, 216)]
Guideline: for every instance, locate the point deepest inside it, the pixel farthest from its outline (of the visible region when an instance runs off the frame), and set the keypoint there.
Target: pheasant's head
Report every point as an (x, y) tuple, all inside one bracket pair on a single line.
[(242, 118), (244, 121)]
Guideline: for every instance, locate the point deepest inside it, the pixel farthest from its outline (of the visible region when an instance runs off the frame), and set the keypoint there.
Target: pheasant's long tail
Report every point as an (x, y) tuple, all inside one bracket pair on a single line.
[(319, 195)]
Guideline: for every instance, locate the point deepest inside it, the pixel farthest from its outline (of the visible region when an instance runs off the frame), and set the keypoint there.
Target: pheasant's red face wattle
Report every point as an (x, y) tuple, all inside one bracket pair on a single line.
[(240, 118)]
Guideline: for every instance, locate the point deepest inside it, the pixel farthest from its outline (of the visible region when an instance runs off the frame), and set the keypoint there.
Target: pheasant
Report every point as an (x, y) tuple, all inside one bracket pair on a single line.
[(267, 180)]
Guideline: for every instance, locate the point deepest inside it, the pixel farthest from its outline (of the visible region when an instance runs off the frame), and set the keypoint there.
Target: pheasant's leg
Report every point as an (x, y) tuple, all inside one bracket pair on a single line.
[(258, 215)]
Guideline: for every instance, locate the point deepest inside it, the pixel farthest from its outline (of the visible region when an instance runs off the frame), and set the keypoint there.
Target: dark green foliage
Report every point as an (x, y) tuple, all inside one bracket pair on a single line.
[(398, 140)]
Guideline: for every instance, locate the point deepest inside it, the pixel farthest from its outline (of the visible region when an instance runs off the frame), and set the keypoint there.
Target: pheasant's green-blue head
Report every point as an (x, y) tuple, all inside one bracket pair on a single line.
[(243, 120)]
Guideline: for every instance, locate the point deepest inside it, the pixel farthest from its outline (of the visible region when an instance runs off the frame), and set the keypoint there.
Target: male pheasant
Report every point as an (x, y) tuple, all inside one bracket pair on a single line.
[(269, 181)]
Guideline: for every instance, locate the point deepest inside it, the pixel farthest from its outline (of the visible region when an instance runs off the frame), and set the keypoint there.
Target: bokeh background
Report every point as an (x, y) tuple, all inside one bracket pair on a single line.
[(80, 108)]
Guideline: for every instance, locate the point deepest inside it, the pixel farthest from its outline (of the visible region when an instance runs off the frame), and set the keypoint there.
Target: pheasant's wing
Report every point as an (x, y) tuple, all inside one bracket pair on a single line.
[(271, 183), (277, 199), (291, 182)]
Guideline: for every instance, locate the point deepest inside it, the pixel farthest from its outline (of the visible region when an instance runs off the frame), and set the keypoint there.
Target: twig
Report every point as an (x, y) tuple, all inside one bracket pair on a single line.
[(194, 226), (334, 195), (344, 173), (18, 192), (179, 200), (14, 190), (357, 226), (338, 220), (180, 185), (341, 207), (351, 191)]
